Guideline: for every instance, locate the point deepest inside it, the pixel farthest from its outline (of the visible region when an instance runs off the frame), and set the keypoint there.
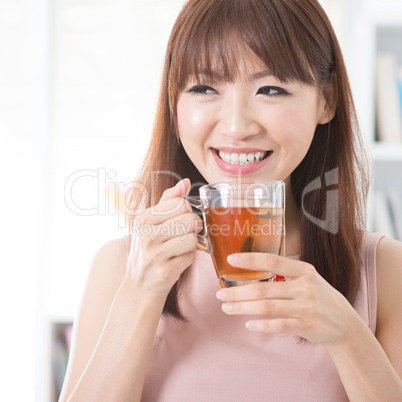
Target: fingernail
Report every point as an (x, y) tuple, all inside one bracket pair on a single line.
[(221, 295), (251, 325), (227, 307), (182, 183), (233, 259)]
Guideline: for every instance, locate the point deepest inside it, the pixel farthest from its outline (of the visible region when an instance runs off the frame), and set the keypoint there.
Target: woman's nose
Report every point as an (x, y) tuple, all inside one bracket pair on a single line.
[(237, 120)]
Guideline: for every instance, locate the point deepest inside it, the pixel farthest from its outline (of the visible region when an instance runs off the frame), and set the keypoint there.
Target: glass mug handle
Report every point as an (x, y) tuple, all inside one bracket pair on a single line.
[(204, 242)]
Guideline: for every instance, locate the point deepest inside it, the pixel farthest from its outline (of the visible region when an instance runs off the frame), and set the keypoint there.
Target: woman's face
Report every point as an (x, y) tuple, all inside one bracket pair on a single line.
[(256, 126)]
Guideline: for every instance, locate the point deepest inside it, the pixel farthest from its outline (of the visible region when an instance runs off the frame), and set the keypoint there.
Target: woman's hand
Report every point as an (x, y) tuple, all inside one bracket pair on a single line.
[(164, 241), (304, 305)]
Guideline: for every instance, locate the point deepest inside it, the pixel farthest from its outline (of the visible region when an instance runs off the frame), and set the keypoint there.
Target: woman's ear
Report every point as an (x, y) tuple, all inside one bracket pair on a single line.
[(330, 100)]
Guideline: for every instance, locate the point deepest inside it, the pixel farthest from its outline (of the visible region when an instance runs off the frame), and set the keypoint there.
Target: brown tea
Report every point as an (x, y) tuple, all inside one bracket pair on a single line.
[(240, 229)]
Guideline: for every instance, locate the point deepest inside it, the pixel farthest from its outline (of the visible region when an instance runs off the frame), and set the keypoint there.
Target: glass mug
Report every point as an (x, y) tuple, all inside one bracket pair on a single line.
[(241, 216)]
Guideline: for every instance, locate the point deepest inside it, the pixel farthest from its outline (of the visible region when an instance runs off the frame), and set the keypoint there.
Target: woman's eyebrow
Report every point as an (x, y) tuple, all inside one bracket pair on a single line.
[(212, 75), (218, 77), (260, 74)]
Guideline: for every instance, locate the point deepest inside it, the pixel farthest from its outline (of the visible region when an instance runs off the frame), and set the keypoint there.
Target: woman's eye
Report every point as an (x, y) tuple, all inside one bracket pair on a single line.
[(272, 91), (202, 90)]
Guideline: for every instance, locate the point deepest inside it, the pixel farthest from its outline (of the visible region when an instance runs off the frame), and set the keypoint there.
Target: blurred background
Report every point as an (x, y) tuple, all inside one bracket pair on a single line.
[(79, 82)]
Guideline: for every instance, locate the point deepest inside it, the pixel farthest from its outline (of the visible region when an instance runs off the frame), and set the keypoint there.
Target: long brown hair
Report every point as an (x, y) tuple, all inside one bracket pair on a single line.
[(295, 40)]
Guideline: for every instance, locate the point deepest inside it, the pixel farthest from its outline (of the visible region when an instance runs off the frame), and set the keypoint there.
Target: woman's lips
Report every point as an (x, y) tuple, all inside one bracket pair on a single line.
[(245, 168)]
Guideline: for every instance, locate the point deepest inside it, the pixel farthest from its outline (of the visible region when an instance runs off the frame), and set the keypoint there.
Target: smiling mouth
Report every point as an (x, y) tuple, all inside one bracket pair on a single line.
[(242, 158)]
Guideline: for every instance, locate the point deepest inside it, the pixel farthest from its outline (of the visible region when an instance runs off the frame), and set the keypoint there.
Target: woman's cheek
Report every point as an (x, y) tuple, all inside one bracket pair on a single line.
[(193, 119), (301, 124)]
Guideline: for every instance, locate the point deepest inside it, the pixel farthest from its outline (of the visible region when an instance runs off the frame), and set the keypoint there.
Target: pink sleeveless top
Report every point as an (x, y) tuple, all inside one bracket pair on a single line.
[(213, 357)]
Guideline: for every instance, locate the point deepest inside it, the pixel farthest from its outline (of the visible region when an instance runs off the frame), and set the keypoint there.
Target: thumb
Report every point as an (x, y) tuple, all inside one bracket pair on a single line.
[(179, 190)]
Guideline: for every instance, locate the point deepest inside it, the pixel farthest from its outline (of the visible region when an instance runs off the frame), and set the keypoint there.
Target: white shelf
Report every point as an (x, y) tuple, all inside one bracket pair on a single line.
[(374, 26)]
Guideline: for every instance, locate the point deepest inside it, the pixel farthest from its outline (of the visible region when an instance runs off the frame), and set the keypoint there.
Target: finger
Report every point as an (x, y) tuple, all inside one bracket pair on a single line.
[(179, 190), (164, 211), (170, 204), (179, 245), (270, 263), (161, 232), (181, 262), (257, 291), (266, 307), (289, 326), (179, 226)]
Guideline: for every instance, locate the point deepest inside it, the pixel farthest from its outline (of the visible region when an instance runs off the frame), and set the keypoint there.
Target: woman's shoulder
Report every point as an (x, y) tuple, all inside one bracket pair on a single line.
[(389, 264), (106, 274), (389, 287), (385, 255), (116, 248), (108, 266), (389, 260)]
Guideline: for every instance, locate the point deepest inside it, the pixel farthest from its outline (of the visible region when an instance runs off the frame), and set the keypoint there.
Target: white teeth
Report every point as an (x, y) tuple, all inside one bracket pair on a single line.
[(242, 159), (234, 158)]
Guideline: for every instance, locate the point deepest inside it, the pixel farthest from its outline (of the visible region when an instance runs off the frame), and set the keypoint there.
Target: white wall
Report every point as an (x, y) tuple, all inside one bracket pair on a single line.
[(23, 158)]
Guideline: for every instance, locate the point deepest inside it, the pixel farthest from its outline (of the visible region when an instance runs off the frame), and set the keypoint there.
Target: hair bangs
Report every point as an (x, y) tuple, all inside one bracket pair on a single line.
[(214, 39)]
